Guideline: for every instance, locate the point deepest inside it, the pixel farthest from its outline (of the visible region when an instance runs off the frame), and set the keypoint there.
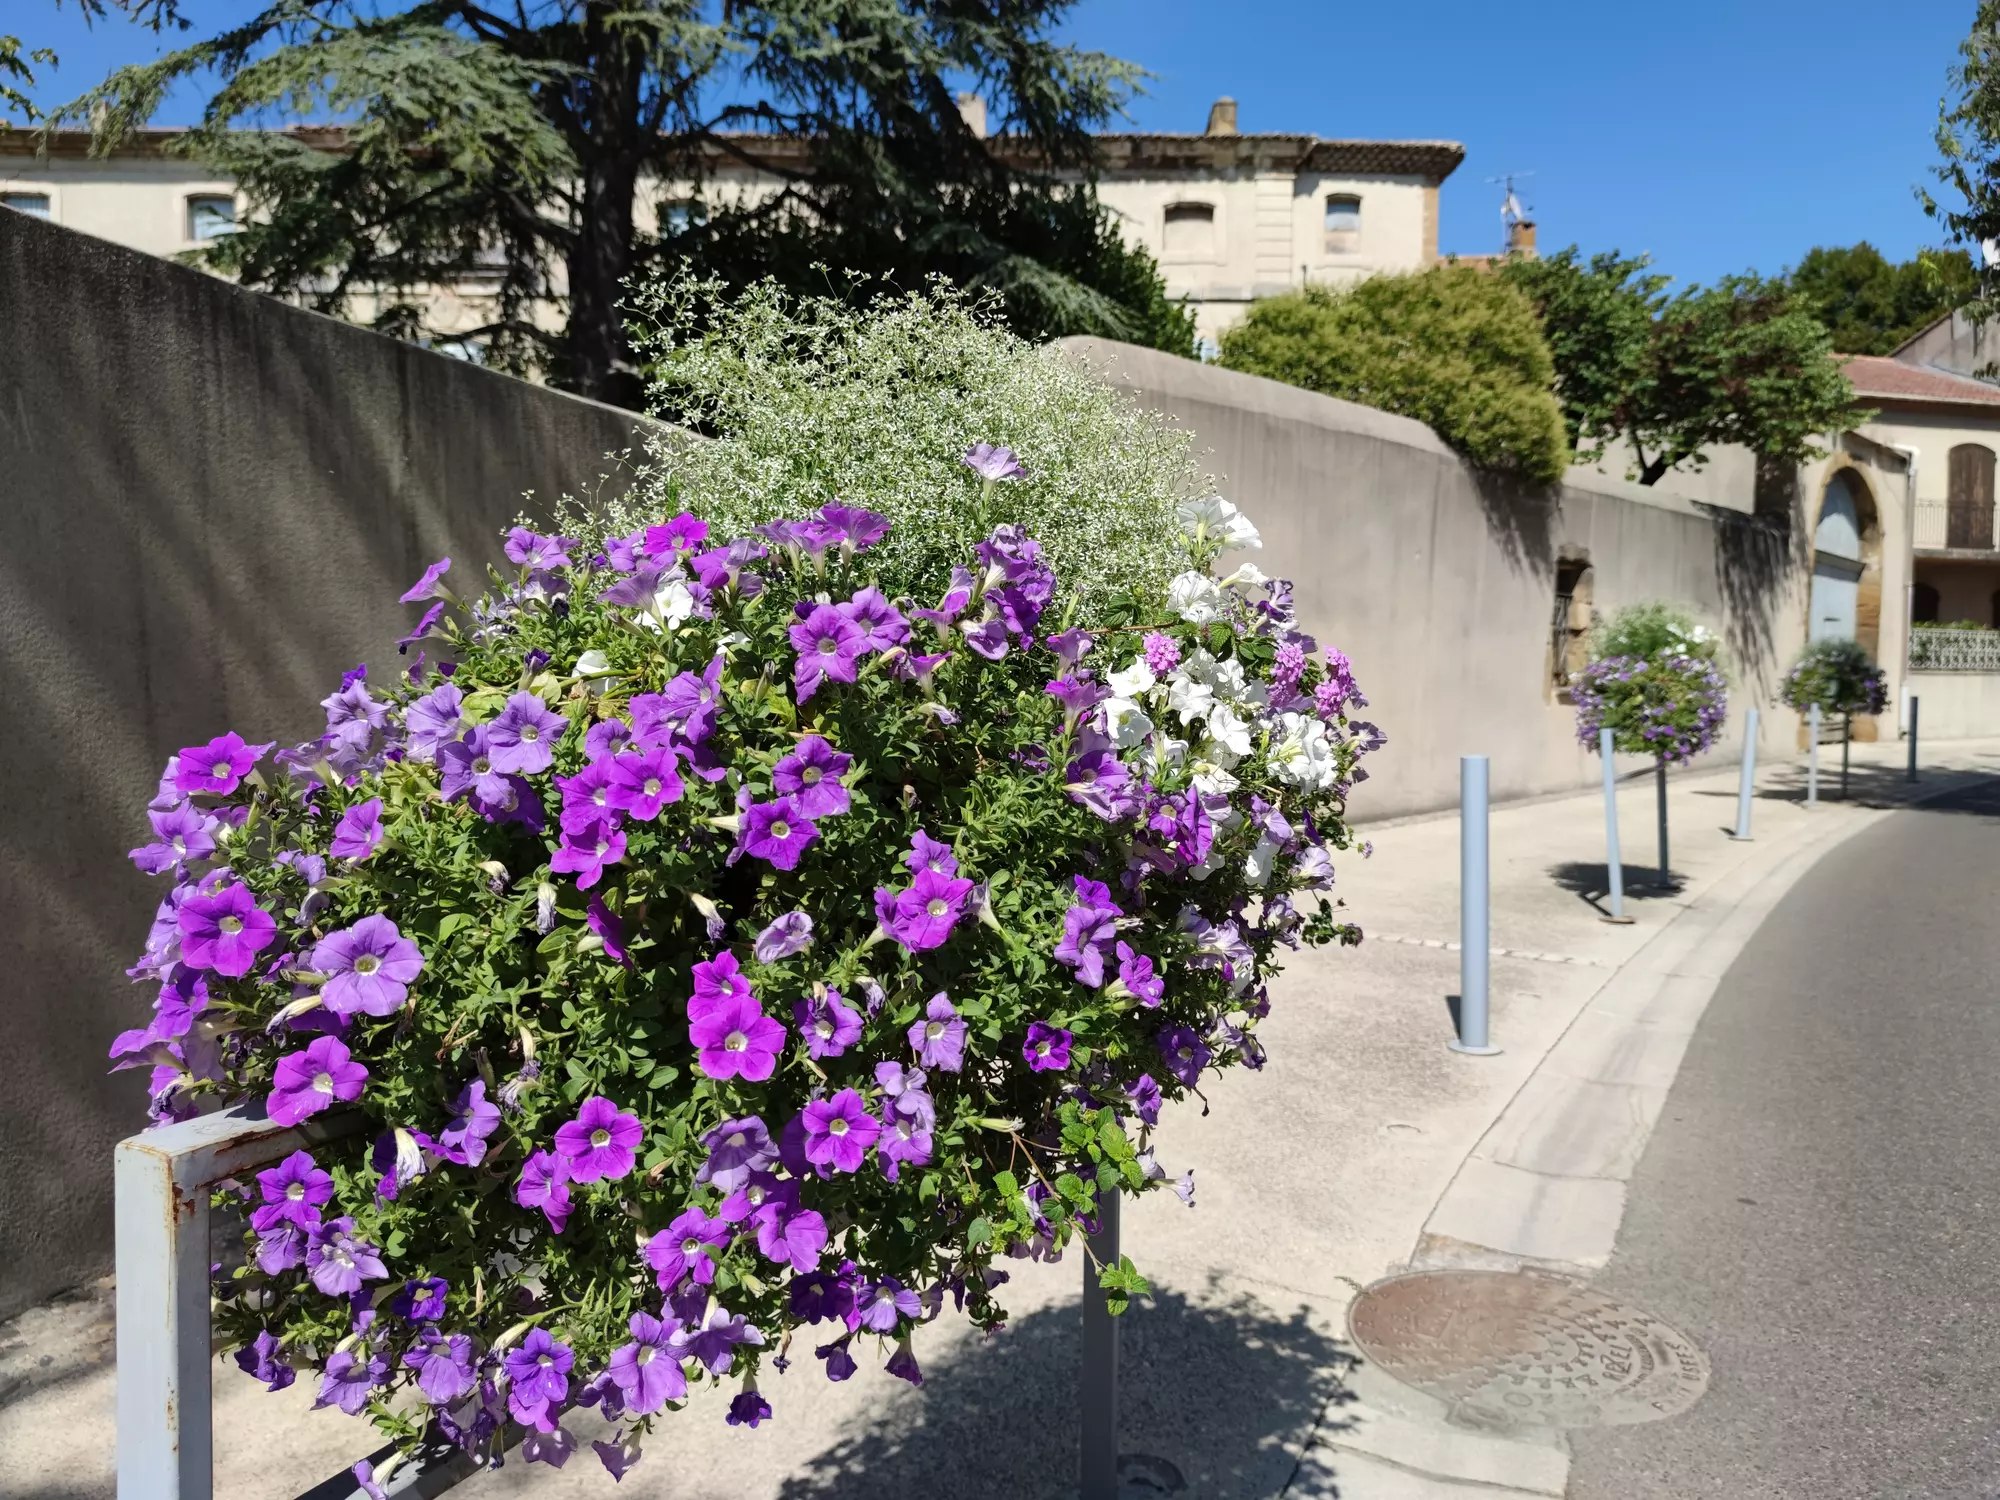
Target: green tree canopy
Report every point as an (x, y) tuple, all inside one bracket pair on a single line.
[(1744, 361), (556, 149), (1869, 303), (1452, 346), (1968, 142)]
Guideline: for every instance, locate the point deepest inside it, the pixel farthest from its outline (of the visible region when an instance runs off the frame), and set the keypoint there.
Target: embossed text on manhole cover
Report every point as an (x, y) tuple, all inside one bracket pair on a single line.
[(1521, 1349)]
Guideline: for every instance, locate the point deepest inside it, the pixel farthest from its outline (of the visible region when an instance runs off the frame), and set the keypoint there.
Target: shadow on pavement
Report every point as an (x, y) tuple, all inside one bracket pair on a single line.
[(1591, 883), (1217, 1397)]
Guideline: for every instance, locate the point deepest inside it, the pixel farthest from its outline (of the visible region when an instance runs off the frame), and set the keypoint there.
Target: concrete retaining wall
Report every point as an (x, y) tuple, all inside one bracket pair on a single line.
[(209, 502), (1438, 580), (1956, 705)]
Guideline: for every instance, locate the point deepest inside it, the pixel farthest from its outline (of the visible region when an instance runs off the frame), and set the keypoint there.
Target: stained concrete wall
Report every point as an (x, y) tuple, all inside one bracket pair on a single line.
[(1438, 580), (209, 502), (1956, 705)]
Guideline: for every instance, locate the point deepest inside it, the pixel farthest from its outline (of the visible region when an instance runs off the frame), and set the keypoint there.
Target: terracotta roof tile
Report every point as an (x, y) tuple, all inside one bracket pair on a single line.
[(1879, 378)]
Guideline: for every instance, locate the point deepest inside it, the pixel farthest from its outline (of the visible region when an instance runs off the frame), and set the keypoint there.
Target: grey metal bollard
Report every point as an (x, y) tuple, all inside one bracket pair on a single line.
[(1666, 865), (1747, 785), (1911, 774), (1614, 867), (1475, 923), (1812, 756), (1099, 1446)]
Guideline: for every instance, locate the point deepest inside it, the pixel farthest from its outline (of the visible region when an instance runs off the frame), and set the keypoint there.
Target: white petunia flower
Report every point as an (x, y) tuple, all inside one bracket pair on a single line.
[(670, 608), (1126, 723), (1249, 576), (1216, 520), (1302, 754), (1134, 682), (1189, 697), (1260, 861), (1195, 598), (1229, 731)]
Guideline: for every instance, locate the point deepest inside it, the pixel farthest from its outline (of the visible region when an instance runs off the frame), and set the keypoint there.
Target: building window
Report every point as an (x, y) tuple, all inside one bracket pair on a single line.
[(1190, 231), (1924, 604), (682, 214), (1968, 517), (1569, 626), (210, 216), (1343, 224), (36, 204)]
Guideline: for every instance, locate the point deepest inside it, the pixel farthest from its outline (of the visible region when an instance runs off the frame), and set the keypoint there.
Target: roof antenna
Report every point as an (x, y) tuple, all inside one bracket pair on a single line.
[(1511, 210)]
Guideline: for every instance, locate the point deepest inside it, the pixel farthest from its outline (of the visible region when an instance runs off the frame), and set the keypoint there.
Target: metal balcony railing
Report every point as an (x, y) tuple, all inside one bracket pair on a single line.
[(1955, 650), (1966, 525)]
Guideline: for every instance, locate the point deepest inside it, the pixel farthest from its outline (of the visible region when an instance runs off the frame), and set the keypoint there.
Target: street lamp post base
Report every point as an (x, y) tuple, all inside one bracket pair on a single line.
[(1470, 1051)]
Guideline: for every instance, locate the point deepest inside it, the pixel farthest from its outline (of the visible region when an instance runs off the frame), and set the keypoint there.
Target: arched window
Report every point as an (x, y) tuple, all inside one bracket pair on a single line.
[(1836, 576), (1190, 232), (1969, 498), (1343, 224)]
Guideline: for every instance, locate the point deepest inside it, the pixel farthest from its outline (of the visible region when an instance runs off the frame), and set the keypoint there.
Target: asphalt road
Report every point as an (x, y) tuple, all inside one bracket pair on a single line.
[(1819, 1207)]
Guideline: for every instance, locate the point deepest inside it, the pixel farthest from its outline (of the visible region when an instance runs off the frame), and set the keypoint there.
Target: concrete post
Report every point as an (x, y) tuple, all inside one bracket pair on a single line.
[(1614, 867), (1812, 756), (1746, 785), (1911, 774), (1475, 925), (1099, 1448), (1666, 865), (1846, 739)]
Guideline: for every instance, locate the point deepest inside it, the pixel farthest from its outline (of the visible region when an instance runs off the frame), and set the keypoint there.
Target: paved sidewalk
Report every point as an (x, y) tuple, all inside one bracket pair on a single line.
[(1361, 1144)]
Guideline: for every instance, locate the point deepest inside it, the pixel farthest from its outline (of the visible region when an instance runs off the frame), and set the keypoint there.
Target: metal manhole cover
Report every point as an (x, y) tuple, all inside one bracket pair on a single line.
[(1521, 1349)]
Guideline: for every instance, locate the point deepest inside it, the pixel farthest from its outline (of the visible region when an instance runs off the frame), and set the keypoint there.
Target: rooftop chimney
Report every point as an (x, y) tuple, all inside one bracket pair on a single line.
[(972, 110), (1521, 238), (1222, 116)]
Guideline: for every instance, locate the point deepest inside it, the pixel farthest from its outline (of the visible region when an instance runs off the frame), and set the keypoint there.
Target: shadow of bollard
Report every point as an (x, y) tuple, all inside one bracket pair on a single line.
[(1219, 1394)]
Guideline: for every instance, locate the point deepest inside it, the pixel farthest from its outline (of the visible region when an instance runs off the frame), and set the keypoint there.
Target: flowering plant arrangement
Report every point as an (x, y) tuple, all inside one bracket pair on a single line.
[(723, 946), (1837, 675), (1655, 684)]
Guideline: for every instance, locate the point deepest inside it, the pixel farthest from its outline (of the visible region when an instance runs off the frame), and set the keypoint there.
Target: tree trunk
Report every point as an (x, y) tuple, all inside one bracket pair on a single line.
[(1654, 472), (599, 364)]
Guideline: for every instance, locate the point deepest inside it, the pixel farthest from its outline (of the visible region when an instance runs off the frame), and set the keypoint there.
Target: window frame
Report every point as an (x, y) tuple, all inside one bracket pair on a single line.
[(48, 213), (1345, 241), (1213, 254), (193, 203)]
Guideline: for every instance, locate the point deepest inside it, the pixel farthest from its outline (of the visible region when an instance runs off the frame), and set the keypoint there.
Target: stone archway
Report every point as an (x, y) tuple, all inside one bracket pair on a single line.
[(1846, 594)]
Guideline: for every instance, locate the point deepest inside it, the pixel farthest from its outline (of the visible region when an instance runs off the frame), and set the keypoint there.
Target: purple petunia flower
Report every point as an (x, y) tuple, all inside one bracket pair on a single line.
[(839, 1131), (218, 767), (642, 782), (1070, 647), (792, 933), (292, 1192), (522, 739), (993, 463), (359, 832), (224, 931), (714, 1340), (1047, 1048), (787, 1233), (748, 1408), (444, 1366), (1088, 933), (1145, 1096), (715, 981), (466, 766), (349, 1379), (610, 931), (646, 1369), (369, 968), (857, 528), (828, 1023), (600, 1141), (428, 587), (905, 1141), (421, 1300), (353, 717), (988, 638), (736, 1150), (811, 776), (588, 851), (939, 1038), (829, 644), (777, 832), (281, 1249), (903, 1363), (538, 1371), (473, 1119), (735, 1039), (260, 1361), (882, 624), (839, 1362), (544, 1184), (923, 916), (681, 1250), (605, 739), (338, 1261), (304, 1083), (1186, 1053), (886, 1303), (1135, 972), (586, 796), (926, 853), (533, 551), (180, 835), (683, 533)]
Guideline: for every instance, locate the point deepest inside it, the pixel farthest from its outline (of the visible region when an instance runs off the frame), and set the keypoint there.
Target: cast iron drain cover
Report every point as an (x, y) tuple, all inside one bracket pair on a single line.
[(1521, 1349)]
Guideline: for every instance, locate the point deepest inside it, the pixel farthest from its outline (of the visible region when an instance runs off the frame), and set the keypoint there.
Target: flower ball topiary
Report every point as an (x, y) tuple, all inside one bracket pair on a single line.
[(1655, 685), (1838, 676), (728, 961)]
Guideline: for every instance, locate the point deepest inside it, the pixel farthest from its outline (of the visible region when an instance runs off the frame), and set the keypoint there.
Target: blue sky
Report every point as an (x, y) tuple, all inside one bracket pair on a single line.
[(1718, 135)]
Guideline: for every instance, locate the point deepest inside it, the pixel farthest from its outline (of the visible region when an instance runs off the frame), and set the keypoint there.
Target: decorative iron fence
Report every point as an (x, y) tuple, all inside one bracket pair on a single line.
[(1966, 525), (1955, 650)]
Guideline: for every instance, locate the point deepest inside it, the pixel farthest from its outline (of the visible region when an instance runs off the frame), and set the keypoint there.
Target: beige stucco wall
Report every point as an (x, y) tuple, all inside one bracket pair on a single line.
[(135, 201), (1957, 705)]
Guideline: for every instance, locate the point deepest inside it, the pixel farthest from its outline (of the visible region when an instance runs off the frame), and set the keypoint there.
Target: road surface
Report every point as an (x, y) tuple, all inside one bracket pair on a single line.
[(1819, 1207)]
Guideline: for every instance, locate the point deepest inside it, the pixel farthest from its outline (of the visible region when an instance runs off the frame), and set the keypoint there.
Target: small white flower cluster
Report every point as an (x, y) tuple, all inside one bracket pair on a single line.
[(1211, 701)]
